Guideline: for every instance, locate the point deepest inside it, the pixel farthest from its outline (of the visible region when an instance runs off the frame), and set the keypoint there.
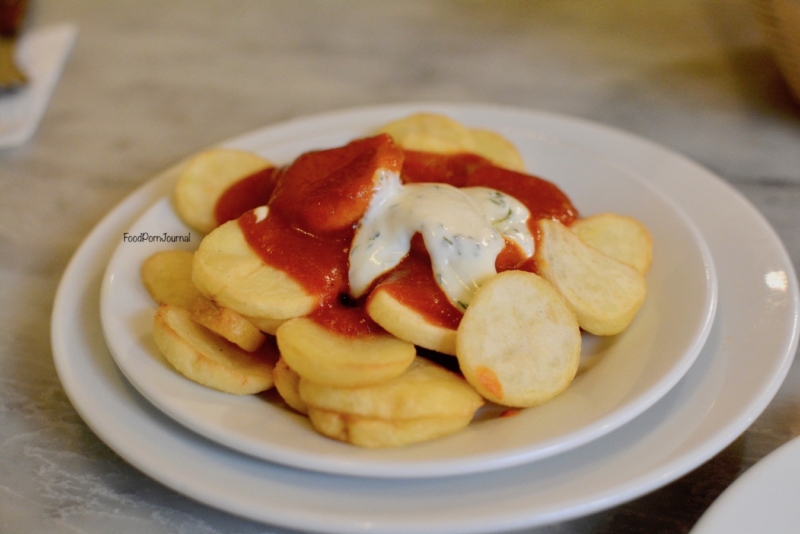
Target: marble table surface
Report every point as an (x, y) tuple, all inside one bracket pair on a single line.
[(150, 82)]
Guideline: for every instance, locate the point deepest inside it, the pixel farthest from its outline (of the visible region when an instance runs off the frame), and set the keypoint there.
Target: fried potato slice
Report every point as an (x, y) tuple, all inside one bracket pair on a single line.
[(519, 343), (320, 355), (383, 433), (423, 389), (604, 293), (407, 324), (619, 236), (167, 275), (497, 149), (287, 382), (228, 324), (430, 132), (425, 402), (208, 359), (268, 326), (229, 272), (205, 178)]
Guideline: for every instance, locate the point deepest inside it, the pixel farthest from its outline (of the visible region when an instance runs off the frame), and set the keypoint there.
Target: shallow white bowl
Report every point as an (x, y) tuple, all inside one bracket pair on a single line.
[(620, 377)]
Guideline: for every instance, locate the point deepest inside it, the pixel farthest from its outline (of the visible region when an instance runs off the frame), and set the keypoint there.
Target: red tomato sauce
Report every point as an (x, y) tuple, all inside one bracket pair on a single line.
[(315, 205), (246, 194), (412, 283)]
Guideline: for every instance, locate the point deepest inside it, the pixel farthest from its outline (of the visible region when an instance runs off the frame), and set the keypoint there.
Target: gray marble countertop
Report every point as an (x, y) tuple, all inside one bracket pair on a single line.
[(150, 82)]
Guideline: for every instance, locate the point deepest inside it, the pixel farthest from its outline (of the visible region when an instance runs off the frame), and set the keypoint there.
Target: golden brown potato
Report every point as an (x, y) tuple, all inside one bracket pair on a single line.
[(519, 343), (382, 433), (317, 354), (409, 325), (228, 324), (287, 382), (429, 132), (424, 389), (229, 272), (204, 179), (268, 326), (619, 236), (497, 149), (425, 402), (604, 293), (167, 275), (208, 359)]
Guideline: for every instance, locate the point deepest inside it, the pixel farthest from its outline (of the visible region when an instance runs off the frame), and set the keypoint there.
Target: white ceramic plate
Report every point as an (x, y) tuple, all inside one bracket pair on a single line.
[(620, 377), (718, 398), (764, 499), (43, 52)]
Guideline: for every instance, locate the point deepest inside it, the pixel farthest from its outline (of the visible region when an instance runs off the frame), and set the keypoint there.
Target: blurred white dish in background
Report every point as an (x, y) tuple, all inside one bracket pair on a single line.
[(763, 499), (42, 53)]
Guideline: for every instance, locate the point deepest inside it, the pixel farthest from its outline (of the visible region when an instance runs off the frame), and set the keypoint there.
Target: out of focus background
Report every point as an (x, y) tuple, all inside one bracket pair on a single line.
[(149, 82)]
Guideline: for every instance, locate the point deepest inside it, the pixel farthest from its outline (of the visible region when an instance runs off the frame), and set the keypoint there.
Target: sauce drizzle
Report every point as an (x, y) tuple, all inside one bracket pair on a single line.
[(316, 203)]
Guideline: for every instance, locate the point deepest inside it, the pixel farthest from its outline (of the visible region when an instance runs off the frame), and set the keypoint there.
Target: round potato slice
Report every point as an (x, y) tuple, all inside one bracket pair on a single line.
[(228, 324), (409, 325), (268, 326), (604, 293), (424, 389), (430, 132), (425, 402), (382, 433), (229, 272), (204, 179), (287, 382), (497, 149), (326, 357), (208, 359), (619, 236), (167, 275), (519, 343)]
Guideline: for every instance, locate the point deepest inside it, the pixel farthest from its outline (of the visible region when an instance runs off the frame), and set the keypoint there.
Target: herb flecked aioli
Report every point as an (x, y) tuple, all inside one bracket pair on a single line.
[(464, 229)]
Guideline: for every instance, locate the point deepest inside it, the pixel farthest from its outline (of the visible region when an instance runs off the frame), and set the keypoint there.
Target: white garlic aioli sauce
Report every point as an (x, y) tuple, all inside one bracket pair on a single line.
[(261, 213), (463, 230)]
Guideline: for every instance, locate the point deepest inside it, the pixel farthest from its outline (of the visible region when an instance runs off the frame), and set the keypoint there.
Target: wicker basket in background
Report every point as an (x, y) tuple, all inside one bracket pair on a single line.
[(780, 21)]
